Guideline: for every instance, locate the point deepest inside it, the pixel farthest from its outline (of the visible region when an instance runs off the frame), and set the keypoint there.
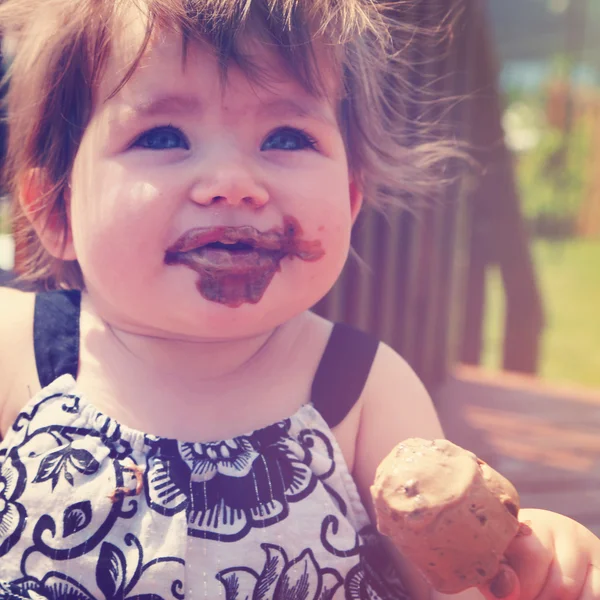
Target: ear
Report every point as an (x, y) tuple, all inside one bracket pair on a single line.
[(50, 228), (356, 198)]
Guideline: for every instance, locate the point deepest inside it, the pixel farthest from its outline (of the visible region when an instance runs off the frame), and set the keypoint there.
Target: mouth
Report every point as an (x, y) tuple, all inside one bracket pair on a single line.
[(237, 247), (231, 239), (236, 264), (231, 250)]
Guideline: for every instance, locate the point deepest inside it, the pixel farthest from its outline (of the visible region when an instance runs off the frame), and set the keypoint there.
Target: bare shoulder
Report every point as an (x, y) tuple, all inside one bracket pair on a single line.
[(16, 348), (394, 406), (396, 402), (16, 324)]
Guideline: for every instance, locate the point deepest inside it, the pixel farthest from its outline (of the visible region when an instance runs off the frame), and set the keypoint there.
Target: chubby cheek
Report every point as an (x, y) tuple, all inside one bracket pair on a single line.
[(322, 205), (332, 234), (332, 226), (118, 228), (335, 240)]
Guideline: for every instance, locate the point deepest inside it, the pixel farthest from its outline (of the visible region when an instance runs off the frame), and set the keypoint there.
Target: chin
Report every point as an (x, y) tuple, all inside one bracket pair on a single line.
[(195, 316), (290, 292)]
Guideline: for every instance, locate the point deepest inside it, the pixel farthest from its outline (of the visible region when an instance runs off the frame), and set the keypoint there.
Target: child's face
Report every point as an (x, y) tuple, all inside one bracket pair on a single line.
[(174, 151)]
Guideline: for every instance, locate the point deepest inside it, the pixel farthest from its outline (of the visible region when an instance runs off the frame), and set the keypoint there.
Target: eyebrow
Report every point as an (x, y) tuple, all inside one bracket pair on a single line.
[(170, 104), (279, 107), (283, 107)]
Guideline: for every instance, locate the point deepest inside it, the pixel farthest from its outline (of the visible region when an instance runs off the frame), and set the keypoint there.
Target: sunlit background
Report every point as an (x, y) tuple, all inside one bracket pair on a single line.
[(549, 53)]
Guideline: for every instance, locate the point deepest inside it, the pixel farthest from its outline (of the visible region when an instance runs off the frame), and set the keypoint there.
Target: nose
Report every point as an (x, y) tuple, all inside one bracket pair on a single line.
[(229, 181)]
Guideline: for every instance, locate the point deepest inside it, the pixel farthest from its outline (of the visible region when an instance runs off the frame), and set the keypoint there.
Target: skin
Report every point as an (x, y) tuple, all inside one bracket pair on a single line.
[(226, 167), (146, 332)]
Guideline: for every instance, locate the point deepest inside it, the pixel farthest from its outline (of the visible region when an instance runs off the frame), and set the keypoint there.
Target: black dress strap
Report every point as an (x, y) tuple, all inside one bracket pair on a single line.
[(56, 334), (342, 372)]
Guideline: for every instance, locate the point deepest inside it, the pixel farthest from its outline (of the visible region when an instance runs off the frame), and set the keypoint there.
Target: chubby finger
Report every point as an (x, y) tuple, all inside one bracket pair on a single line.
[(505, 585), (531, 556), (591, 588), (567, 575)]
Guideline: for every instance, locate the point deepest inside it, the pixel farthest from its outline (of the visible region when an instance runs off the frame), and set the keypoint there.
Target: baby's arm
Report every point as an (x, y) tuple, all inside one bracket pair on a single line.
[(553, 557), (17, 363), (395, 406)]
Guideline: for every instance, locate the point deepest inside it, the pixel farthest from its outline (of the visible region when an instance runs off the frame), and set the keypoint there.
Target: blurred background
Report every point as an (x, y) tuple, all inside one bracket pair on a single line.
[(493, 294), (549, 59), (543, 431)]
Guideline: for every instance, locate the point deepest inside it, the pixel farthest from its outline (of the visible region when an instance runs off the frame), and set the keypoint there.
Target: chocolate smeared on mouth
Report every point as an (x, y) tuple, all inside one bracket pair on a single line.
[(237, 264)]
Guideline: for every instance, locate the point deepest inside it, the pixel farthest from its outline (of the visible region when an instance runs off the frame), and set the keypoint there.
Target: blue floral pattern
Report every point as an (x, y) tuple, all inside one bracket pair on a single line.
[(12, 513), (62, 461), (268, 515), (113, 578), (235, 485), (282, 579)]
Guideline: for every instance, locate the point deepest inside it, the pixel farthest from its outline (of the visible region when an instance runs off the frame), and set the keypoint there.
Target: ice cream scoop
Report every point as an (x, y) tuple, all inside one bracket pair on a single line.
[(446, 511)]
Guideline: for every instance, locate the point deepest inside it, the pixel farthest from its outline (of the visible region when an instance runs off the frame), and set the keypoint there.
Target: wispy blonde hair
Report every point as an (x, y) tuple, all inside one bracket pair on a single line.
[(61, 49)]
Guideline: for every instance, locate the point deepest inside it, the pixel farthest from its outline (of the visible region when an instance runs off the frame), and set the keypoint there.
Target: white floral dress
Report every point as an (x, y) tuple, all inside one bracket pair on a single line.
[(90, 509)]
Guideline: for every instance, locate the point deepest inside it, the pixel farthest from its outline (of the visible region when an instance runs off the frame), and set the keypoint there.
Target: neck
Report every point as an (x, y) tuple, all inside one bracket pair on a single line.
[(182, 359), (198, 359)]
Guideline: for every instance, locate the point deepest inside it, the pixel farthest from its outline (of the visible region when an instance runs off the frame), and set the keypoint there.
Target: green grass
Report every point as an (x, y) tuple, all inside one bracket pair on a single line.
[(4, 228), (569, 277)]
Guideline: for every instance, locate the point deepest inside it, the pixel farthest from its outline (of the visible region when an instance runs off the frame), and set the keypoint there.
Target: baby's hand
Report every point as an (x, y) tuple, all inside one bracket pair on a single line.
[(553, 558)]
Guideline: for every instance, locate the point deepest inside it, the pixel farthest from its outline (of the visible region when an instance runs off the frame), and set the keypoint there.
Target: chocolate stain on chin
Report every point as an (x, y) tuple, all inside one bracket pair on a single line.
[(234, 276)]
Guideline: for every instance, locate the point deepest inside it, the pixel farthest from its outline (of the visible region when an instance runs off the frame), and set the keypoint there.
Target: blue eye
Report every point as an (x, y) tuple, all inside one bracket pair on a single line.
[(288, 139), (162, 138)]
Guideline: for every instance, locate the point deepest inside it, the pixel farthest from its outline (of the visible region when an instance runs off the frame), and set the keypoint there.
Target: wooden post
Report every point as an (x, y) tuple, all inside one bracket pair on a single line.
[(498, 235)]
